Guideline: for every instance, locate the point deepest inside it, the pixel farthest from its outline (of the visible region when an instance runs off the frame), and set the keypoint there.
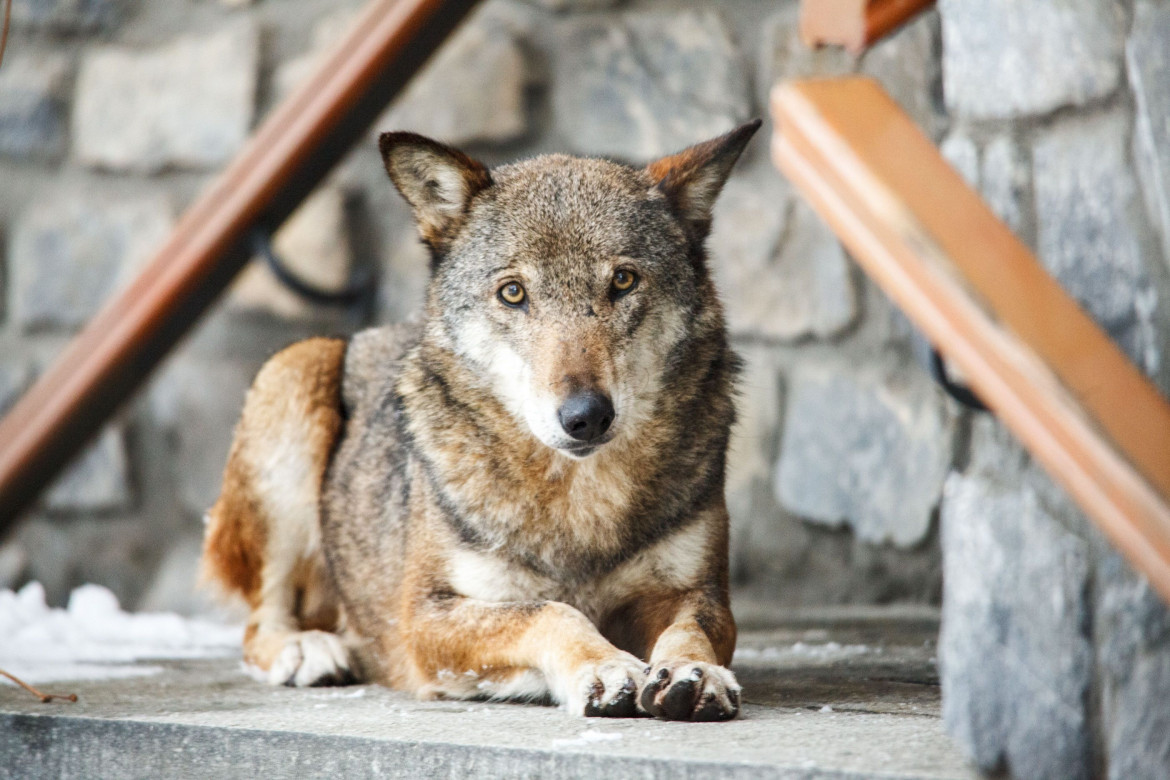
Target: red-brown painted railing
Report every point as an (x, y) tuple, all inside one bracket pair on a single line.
[(1033, 355), (284, 160)]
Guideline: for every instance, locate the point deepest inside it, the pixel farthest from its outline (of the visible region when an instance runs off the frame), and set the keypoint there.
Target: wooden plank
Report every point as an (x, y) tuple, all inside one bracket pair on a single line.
[(854, 24), (1032, 354), (284, 160)]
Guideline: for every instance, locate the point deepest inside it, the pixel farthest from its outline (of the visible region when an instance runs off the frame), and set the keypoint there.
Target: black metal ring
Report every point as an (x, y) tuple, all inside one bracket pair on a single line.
[(355, 291)]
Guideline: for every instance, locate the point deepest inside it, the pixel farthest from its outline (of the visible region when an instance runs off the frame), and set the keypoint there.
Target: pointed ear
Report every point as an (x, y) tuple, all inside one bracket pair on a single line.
[(692, 179), (437, 181)]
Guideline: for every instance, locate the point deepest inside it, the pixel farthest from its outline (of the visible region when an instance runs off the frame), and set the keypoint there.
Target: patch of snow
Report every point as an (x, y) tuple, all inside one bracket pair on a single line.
[(826, 708), (92, 638), (341, 694), (827, 651), (587, 737)]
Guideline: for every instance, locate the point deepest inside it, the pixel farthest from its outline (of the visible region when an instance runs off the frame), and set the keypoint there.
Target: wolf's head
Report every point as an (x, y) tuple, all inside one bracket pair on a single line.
[(568, 284)]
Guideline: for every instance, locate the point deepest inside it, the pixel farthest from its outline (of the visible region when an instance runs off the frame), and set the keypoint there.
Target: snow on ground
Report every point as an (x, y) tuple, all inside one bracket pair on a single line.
[(827, 651), (587, 737), (93, 638)]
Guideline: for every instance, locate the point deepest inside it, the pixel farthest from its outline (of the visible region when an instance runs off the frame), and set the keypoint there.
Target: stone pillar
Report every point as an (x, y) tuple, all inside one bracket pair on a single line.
[(1054, 655)]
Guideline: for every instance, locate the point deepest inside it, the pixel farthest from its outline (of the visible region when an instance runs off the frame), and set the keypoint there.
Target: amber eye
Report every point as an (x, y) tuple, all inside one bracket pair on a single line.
[(512, 294), (624, 281)]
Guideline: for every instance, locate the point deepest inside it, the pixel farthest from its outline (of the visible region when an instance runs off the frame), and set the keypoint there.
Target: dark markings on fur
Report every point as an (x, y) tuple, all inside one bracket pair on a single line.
[(416, 397)]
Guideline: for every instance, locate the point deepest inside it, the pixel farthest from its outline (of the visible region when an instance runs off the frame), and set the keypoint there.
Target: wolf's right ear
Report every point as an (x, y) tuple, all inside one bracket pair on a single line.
[(438, 181), (692, 179)]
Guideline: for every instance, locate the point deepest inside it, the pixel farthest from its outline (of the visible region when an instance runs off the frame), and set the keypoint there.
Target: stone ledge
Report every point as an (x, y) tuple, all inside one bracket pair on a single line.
[(816, 705)]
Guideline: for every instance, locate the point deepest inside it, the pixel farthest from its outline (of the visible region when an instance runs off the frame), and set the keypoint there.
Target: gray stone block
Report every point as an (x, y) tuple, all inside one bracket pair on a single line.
[(64, 553), (198, 403), (1015, 655), (907, 65), (68, 16), (472, 92), (33, 105), (868, 447), (188, 104), (752, 451), (1133, 630), (1005, 177), (1148, 59), (781, 272), (15, 378), (70, 252), (649, 84), (1004, 59), (963, 155), (405, 273), (829, 696), (174, 586), (1089, 233), (97, 481)]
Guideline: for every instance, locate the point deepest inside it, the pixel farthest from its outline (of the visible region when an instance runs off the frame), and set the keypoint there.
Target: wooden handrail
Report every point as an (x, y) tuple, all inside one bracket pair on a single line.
[(281, 164), (854, 24), (1043, 366)]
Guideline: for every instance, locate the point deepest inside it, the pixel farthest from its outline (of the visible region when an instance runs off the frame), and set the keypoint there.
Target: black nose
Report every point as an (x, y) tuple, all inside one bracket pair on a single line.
[(586, 416)]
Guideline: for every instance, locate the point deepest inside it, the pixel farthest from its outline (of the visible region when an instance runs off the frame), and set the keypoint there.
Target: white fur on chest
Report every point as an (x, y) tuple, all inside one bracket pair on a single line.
[(674, 563)]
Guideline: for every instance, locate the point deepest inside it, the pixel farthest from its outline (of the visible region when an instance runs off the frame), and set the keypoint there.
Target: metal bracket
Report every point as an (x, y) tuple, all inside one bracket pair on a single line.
[(933, 361), (961, 393), (357, 289)]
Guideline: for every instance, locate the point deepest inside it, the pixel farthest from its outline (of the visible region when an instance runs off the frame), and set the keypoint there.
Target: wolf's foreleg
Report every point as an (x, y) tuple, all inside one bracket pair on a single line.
[(467, 647), (688, 677)]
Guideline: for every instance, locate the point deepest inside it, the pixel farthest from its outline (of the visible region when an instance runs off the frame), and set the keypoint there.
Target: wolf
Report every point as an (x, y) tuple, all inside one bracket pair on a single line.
[(518, 494)]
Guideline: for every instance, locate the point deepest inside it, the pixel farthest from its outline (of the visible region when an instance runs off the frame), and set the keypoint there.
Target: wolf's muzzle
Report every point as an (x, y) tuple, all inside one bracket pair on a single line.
[(586, 416)]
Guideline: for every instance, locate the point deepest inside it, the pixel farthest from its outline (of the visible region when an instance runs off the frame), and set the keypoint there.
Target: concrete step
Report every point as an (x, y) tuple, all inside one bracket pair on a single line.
[(827, 694)]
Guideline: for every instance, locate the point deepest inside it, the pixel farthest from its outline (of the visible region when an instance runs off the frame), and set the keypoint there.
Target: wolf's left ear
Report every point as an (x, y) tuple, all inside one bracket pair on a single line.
[(438, 181), (693, 178)]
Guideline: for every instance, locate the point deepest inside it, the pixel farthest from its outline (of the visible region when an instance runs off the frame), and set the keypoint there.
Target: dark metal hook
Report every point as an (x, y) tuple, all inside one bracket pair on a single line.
[(356, 290)]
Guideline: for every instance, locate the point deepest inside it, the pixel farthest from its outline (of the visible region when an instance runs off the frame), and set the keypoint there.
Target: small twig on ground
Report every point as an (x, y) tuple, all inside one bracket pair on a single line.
[(4, 30), (44, 697)]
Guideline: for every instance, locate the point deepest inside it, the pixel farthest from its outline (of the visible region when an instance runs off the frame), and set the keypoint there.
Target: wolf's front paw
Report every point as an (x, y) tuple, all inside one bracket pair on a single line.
[(608, 689), (691, 690), (312, 658)]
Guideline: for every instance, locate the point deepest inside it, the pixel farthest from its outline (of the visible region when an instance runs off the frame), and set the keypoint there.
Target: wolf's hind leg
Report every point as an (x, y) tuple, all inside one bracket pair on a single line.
[(296, 634), (264, 537)]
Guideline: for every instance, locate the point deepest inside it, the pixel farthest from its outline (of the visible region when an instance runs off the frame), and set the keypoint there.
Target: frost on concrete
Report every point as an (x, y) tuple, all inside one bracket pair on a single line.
[(93, 639)]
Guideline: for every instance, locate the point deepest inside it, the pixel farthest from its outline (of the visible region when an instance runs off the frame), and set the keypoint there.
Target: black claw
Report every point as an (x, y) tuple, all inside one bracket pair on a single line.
[(679, 701), (624, 704), (592, 707), (650, 693), (338, 678), (709, 709)]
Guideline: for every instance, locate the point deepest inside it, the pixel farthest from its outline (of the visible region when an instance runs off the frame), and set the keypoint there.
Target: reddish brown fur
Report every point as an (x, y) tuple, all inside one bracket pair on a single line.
[(301, 382), (394, 505)]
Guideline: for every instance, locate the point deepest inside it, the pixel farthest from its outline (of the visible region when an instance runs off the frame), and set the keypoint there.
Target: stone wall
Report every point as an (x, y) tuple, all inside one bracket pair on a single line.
[(1055, 657), (114, 114)]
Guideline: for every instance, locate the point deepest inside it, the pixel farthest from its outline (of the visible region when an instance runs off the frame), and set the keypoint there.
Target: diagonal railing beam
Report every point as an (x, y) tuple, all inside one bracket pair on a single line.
[(1086, 413), (299, 143)]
